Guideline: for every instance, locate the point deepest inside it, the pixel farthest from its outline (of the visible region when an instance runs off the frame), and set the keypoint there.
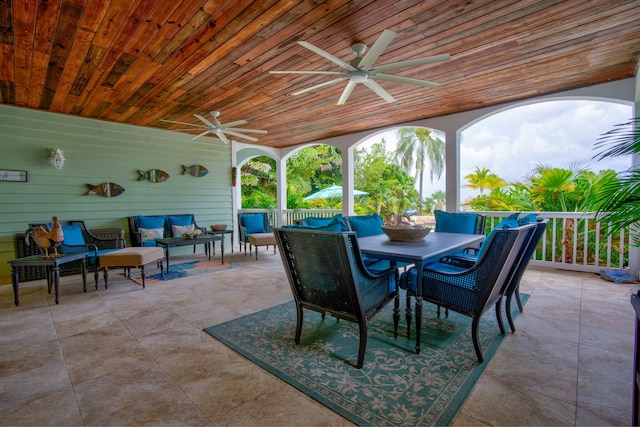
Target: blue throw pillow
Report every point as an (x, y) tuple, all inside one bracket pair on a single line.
[(73, 235), (505, 223), (335, 224), (336, 219), (149, 222), (366, 225), (180, 220), (528, 219), (455, 222), (253, 223)]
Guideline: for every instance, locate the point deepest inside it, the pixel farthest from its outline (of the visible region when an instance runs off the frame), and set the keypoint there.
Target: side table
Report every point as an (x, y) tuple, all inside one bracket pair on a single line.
[(52, 266)]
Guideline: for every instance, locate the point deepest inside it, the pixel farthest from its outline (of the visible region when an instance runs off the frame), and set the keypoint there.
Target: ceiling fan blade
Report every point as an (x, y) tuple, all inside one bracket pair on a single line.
[(236, 123), (222, 137), (305, 72), (326, 55), (198, 136), (264, 132), (346, 92), (412, 62), (378, 90), (405, 80), (203, 120), (239, 135), (186, 129), (321, 85), (182, 123), (376, 50)]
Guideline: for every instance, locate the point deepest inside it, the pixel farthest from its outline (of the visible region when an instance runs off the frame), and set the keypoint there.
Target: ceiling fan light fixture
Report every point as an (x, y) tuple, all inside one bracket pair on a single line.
[(361, 69)]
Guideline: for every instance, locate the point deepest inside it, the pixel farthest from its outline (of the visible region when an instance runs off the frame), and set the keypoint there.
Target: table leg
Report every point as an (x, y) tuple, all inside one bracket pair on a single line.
[(208, 244), (56, 281), (222, 248), (14, 282)]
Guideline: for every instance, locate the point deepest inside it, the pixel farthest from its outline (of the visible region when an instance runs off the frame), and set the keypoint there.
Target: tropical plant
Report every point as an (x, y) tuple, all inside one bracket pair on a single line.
[(391, 190), (483, 179), (419, 149), (620, 199)]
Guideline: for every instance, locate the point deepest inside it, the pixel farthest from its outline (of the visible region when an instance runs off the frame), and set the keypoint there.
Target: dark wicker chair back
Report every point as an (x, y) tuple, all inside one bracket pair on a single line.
[(473, 291), (513, 284), (327, 275)]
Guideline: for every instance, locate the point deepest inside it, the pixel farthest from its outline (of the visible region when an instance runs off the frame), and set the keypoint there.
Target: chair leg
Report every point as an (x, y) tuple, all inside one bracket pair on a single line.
[(298, 324), (474, 336), (363, 344), (507, 308), (499, 315), (517, 292)]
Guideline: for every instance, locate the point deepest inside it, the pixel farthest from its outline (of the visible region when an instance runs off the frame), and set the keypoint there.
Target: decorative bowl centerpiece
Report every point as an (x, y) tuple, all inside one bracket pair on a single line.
[(405, 232), (218, 227), (191, 234)]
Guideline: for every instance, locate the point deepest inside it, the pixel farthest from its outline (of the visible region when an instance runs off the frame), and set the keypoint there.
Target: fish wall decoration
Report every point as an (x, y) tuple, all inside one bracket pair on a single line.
[(154, 175), (196, 170), (106, 189)]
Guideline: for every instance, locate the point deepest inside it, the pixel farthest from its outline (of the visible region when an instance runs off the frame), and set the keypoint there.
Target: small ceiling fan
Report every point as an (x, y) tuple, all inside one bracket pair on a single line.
[(215, 127), (361, 69)]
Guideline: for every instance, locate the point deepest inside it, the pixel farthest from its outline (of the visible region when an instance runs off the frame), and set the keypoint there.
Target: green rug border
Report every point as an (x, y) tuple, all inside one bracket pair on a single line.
[(447, 416)]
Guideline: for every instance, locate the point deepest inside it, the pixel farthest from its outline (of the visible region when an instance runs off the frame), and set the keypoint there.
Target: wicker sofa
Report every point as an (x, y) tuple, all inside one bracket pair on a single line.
[(162, 226), (101, 238)]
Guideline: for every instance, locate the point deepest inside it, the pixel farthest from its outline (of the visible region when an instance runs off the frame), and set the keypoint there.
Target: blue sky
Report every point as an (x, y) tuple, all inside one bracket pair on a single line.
[(555, 133)]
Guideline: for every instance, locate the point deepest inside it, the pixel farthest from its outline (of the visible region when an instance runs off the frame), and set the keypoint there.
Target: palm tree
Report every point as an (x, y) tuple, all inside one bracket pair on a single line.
[(620, 199), (482, 179), (419, 148)]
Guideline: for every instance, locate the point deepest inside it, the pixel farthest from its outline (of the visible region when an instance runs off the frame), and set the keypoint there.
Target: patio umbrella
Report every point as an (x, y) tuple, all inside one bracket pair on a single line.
[(333, 192)]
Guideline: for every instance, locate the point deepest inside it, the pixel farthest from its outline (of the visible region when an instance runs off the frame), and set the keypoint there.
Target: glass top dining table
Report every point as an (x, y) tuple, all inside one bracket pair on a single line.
[(433, 247)]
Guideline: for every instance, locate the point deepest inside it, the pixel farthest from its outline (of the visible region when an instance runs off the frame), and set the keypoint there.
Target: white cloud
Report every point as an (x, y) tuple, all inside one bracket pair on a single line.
[(513, 142)]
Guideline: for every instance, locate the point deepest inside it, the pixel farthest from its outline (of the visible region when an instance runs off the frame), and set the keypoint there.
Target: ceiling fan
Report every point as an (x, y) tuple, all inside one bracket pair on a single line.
[(215, 127), (361, 69)]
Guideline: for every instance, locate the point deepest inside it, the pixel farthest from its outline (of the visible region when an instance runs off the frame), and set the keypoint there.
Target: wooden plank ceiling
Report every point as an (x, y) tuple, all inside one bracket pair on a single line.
[(139, 61)]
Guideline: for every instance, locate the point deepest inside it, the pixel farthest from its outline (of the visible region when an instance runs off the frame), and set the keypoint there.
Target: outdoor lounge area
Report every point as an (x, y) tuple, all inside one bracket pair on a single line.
[(128, 356)]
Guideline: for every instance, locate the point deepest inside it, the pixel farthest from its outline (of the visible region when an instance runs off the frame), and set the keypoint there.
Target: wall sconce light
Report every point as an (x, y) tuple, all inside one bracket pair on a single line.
[(56, 157)]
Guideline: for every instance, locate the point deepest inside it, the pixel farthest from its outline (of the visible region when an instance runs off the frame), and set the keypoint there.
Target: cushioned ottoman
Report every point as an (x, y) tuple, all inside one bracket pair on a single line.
[(262, 239), (131, 257)]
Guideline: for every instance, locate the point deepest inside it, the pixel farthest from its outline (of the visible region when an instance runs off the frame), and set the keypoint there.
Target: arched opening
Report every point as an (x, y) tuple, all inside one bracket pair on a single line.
[(502, 152)]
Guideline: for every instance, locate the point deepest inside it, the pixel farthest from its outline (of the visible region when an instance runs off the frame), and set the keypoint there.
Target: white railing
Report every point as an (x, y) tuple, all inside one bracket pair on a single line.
[(572, 241)]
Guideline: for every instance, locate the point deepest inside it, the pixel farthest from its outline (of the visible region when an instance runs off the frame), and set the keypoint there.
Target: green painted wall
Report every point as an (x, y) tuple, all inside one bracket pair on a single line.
[(97, 152)]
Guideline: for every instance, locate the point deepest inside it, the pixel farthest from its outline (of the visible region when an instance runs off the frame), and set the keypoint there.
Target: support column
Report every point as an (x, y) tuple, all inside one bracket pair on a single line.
[(452, 169), (634, 251), (347, 182)]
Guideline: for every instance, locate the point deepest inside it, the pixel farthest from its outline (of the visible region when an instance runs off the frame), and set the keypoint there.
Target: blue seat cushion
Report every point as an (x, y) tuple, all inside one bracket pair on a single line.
[(91, 257), (454, 222), (366, 225), (253, 223), (408, 278)]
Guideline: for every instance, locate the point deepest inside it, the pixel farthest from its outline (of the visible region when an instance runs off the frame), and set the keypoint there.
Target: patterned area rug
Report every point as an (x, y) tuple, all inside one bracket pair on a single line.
[(185, 269), (394, 387)]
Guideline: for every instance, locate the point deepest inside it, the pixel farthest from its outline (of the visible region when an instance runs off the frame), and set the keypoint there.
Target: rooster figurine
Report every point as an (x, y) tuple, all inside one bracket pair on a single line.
[(47, 239)]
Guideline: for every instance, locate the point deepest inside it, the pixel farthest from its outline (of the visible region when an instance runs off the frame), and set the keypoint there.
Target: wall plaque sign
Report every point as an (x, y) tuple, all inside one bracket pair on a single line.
[(14, 176)]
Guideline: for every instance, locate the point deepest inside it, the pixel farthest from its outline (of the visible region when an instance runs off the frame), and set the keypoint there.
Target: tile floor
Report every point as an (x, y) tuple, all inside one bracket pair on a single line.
[(128, 356)]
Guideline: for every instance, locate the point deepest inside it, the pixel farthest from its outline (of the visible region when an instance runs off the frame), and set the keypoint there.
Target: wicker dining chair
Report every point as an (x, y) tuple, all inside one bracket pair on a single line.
[(327, 275)]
